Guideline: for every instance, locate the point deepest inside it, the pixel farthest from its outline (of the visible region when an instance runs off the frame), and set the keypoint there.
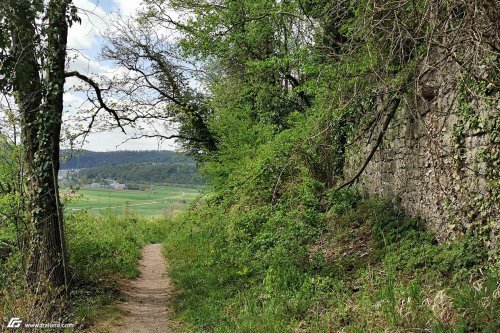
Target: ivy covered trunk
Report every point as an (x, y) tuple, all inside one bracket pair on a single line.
[(39, 94)]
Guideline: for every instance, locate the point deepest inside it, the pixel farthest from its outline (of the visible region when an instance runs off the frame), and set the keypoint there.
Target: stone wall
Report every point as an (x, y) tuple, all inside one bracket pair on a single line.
[(439, 160)]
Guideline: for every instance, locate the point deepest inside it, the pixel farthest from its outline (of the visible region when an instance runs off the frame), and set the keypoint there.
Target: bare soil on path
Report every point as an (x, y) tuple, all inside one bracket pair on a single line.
[(147, 297)]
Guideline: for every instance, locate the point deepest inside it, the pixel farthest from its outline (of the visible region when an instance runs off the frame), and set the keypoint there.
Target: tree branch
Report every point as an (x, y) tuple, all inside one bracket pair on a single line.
[(393, 104), (167, 137), (302, 94), (98, 92)]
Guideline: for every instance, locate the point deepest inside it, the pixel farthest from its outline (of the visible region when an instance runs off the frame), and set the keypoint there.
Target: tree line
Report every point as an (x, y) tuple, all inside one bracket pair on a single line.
[(171, 173), (88, 159)]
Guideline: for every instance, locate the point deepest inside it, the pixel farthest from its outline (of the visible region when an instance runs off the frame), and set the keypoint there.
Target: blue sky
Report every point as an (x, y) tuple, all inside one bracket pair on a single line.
[(84, 45)]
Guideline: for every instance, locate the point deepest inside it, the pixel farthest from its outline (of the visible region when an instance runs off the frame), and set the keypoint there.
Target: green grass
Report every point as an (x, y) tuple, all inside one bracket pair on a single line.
[(102, 249), (158, 201), (361, 266)]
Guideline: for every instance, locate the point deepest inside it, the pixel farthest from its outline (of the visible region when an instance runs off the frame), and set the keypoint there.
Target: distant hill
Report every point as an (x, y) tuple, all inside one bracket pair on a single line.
[(171, 173), (150, 166), (88, 159)]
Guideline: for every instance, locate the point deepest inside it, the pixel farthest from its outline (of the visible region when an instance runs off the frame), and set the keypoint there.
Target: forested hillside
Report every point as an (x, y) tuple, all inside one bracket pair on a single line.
[(350, 150), (86, 159), (171, 173), (132, 166)]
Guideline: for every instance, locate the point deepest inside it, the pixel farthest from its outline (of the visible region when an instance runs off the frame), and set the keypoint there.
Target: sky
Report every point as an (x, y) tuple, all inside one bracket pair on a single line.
[(84, 45)]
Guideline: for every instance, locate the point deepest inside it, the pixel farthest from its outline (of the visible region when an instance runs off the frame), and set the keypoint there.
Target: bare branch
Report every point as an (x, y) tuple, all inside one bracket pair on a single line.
[(393, 105), (98, 92)]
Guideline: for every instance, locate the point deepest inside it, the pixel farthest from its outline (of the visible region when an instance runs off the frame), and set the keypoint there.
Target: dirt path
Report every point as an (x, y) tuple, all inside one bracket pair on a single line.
[(147, 297)]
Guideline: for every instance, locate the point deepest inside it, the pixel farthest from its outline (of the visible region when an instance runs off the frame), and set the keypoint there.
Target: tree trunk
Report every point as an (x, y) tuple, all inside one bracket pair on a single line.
[(41, 105)]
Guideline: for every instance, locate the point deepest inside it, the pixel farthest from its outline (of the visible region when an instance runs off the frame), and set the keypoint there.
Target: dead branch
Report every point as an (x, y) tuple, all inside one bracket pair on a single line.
[(393, 106)]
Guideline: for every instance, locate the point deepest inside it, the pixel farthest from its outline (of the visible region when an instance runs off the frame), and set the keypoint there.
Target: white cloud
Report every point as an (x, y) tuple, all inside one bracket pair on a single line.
[(114, 140), (127, 7), (73, 100), (86, 65), (85, 35)]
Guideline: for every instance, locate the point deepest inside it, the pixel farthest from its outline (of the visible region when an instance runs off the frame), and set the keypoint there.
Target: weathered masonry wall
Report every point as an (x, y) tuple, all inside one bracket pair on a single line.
[(440, 160)]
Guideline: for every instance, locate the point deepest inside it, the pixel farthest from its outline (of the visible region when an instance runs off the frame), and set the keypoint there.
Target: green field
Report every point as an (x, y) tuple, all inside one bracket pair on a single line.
[(160, 200)]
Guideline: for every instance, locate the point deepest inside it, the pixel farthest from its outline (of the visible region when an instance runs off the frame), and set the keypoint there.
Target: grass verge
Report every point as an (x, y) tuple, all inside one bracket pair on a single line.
[(361, 265)]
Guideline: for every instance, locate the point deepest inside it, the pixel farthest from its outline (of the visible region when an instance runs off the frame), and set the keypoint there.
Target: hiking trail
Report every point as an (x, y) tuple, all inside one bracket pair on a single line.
[(147, 297)]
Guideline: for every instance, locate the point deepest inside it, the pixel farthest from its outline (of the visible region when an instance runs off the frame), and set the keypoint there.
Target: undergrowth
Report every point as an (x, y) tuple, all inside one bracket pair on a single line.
[(359, 265)]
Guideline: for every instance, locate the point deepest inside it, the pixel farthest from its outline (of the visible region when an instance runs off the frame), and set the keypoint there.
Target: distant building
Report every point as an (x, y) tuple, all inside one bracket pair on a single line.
[(67, 174), (119, 186), (95, 185)]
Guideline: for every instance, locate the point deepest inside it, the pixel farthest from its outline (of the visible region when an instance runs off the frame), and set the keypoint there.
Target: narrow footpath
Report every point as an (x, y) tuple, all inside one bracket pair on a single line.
[(147, 297)]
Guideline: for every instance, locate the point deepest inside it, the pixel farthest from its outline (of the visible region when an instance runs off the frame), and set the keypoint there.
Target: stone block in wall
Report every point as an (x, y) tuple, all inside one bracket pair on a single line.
[(418, 165)]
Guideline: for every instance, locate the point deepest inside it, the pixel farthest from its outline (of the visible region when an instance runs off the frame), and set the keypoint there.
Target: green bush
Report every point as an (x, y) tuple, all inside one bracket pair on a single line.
[(100, 246)]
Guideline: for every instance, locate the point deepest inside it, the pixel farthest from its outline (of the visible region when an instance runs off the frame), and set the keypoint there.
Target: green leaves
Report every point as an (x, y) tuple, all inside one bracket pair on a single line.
[(72, 16)]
